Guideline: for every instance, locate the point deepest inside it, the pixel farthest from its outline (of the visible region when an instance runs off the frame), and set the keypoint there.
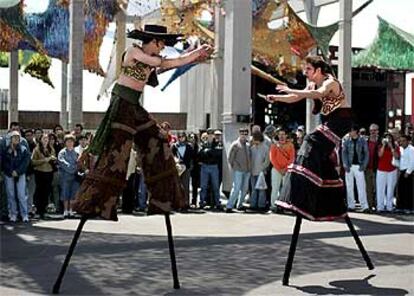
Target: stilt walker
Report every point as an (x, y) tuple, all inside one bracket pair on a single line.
[(312, 187), (126, 123)]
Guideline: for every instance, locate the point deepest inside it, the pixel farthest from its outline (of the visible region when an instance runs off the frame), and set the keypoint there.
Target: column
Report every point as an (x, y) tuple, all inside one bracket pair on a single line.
[(345, 48), (76, 23), (13, 114), (237, 75)]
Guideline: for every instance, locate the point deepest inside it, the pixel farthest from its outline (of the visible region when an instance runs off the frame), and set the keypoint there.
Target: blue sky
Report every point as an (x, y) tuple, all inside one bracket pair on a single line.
[(398, 12)]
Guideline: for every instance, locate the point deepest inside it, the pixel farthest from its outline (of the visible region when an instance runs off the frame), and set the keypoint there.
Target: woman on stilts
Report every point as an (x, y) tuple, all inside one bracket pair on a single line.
[(312, 186), (127, 122)]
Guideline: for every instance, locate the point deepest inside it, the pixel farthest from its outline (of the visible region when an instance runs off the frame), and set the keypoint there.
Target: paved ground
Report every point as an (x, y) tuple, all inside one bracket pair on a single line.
[(217, 253)]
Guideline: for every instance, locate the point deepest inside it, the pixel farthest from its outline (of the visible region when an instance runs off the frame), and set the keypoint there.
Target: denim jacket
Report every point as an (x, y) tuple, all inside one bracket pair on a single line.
[(348, 152), (18, 161)]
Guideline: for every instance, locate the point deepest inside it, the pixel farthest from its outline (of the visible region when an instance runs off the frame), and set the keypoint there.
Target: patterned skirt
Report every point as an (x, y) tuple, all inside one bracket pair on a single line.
[(126, 124), (312, 187)]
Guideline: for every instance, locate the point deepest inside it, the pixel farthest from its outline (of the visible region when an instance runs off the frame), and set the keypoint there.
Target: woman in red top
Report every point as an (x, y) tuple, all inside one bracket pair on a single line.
[(387, 173)]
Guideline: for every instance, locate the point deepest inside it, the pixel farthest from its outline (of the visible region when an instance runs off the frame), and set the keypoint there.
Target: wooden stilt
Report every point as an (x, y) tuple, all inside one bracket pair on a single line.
[(293, 242), (359, 243), (56, 286), (172, 252)]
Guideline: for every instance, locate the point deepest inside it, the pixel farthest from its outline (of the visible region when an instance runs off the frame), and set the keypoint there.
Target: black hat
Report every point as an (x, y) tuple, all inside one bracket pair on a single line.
[(156, 32)]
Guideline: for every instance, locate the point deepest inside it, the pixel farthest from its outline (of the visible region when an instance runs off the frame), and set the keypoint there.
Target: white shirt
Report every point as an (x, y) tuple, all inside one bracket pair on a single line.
[(407, 159), (181, 150)]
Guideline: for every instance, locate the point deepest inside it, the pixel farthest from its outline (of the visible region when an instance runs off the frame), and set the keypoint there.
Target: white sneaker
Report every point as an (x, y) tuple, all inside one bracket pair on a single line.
[(13, 219), (25, 220)]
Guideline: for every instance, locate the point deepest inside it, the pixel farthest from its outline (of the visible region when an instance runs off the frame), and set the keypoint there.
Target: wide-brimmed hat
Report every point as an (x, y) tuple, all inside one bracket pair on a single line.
[(157, 32)]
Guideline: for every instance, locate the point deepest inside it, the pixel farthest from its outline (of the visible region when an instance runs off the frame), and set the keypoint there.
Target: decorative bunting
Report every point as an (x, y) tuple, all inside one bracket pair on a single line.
[(38, 67), (13, 29)]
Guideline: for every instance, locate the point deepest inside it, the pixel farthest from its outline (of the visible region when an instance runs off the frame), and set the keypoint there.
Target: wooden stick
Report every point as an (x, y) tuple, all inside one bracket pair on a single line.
[(359, 243), (58, 282), (172, 252), (293, 242)]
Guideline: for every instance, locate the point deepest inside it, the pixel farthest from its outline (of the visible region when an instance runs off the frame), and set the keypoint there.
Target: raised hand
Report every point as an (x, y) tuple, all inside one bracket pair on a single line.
[(204, 52)]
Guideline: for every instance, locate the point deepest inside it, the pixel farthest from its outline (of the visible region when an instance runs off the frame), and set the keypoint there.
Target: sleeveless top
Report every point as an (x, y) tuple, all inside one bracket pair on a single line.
[(140, 71), (329, 102)]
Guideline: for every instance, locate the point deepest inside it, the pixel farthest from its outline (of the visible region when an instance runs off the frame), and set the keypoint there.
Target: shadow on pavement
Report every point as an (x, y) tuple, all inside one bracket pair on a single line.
[(352, 287), (123, 264)]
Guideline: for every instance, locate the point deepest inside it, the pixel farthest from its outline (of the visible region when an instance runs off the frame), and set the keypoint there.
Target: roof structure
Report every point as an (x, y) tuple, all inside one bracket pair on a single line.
[(391, 49)]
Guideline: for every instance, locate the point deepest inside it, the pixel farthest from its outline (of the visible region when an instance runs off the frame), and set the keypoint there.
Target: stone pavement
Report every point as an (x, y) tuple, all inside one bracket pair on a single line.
[(217, 254)]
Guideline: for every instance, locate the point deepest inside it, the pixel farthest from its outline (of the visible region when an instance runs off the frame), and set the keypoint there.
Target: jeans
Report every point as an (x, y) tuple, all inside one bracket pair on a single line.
[(256, 202), (209, 171), (239, 189), (354, 172), (21, 196), (30, 190), (277, 182), (141, 191)]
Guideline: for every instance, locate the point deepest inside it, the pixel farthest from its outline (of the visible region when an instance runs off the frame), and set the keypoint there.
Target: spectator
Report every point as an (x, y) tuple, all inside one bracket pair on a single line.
[(208, 157), (371, 171), (58, 129), (67, 164), (300, 135), (15, 159), (83, 144), (30, 139), (355, 158), (43, 161), (195, 172), (38, 133), (239, 161), (218, 137), (184, 155), (363, 133), (282, 154), (269, 134), (60, 134), (396, 133), (166, 126), (15, 126), (406, 179), (54, 197), (259, 153), (387, 173), (30, 179), (78, 130), (409, 131), (3, 197)]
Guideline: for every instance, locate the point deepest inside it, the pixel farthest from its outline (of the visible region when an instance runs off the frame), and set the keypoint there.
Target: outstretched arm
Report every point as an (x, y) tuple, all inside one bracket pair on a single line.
[(292, 98), (310, 93), (197, 55)]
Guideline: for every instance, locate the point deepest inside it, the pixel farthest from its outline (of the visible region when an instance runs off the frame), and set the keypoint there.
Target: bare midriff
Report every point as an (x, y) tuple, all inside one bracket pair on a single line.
[(130, 82)]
